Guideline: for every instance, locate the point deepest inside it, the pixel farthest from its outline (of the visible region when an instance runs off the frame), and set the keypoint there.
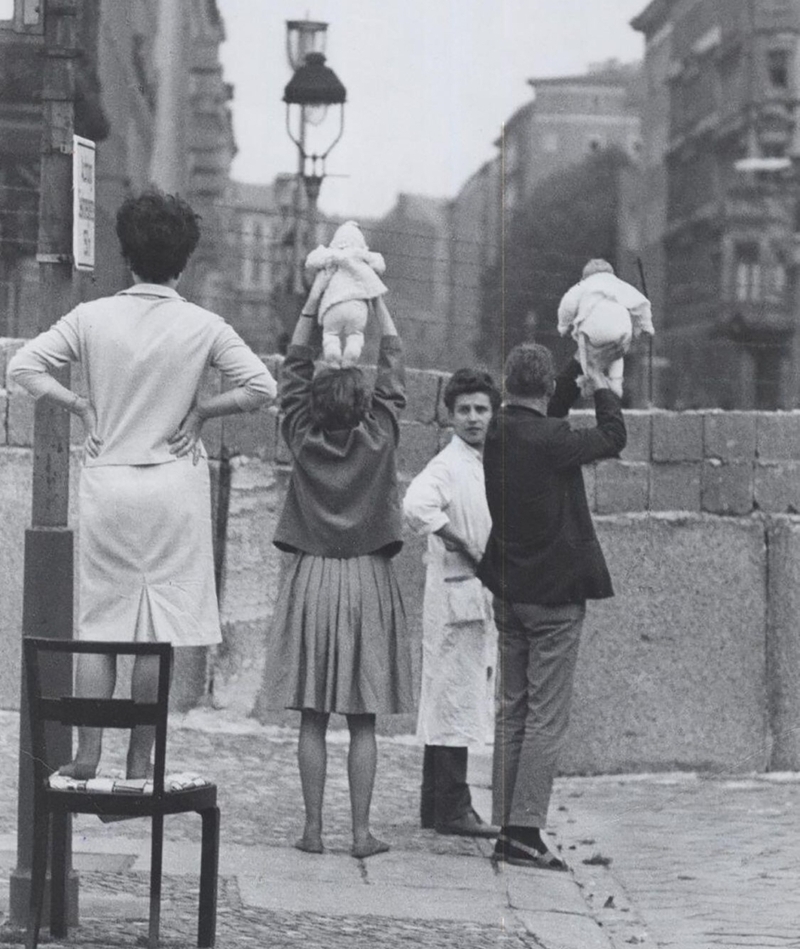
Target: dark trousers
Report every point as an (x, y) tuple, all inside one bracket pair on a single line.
[(445, 792), (538, 651)]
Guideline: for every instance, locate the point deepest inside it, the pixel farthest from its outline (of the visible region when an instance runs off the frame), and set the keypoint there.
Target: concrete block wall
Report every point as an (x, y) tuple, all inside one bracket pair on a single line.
[(695, 662)]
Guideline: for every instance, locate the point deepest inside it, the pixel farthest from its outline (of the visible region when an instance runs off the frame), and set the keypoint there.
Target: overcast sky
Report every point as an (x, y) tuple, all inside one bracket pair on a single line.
[(429, 83)]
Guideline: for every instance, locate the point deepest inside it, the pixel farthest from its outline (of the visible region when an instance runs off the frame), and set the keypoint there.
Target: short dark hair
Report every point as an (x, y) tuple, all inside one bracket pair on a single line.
[(529, 371), (157, 234), (340, 398), (468, 382)]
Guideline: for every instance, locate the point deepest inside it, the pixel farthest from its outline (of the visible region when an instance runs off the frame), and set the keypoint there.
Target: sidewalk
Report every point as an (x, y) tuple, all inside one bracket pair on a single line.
[(694, 863)]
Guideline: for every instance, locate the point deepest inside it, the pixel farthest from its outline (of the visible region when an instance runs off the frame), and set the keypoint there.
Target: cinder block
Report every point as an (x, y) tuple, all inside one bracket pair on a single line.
[(675, 486), (212, 429), (582, 418), (727, 488), (778, 435), (639, 425), (621, 486), (19, 416), (671, 673), (730, 436), (777, 487), (3, 414), (252, 434), (8, 347), (418, 444), (783, 642), (445, 436), (677, 436), (423, 392)]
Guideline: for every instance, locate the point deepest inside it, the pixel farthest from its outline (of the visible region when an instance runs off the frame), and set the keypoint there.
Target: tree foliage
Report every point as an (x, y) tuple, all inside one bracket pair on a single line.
[(569, 218)]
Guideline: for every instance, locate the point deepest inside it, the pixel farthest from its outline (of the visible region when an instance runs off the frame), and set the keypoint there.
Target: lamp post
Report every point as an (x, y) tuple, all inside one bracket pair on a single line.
[(309, 95), (48, 568)]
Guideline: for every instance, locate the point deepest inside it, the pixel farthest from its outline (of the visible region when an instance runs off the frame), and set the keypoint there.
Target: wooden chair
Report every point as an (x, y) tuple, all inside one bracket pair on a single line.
[(52, 807)]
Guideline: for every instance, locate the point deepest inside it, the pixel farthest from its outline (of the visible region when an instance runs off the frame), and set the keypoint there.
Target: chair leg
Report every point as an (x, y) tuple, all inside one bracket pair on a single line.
[(41, 833), (156, 861), (58, 875), (209, 871)]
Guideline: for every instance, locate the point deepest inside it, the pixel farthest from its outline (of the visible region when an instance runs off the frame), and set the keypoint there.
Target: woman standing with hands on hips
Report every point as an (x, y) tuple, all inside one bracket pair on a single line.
[(146, 569), (339, 641)]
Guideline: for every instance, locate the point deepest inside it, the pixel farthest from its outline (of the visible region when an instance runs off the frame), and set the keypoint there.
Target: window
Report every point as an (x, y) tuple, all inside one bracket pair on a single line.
[(748, 273), (550, 142), (778, 68), (777, 283)]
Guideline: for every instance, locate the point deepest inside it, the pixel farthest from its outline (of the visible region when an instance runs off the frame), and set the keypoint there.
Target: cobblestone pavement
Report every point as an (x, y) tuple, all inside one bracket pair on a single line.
[(697, 862), (676, 861)]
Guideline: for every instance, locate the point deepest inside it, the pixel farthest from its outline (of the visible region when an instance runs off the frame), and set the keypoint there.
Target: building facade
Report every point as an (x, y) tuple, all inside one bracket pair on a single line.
[(415, 240), (569, 118), (732, 138), (150, 93), (475, 222)]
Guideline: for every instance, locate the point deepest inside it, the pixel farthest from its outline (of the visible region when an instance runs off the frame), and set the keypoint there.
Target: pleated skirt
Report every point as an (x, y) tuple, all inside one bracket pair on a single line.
[(146, 563), (339, 638)]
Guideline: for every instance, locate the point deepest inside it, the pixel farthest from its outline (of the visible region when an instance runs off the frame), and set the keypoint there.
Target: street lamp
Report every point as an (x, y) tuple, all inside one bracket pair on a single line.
[(309, 95), (304, 37)]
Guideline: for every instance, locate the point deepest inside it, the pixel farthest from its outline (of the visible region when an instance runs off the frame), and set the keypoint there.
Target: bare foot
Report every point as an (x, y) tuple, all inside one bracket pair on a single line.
[(79, 770), (310, 843), (368, 848)]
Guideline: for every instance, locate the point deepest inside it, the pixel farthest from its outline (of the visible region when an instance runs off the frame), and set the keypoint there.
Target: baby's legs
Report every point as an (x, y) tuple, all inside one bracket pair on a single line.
[(332, 348), (353, 344), (95, 678), (615, 373)]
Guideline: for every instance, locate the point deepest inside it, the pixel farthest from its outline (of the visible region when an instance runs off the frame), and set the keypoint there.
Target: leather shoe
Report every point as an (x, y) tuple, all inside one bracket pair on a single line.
[(470, 825)]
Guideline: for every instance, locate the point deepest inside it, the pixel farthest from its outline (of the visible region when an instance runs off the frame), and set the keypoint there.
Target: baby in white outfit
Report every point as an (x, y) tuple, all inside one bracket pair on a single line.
[(604, 309)]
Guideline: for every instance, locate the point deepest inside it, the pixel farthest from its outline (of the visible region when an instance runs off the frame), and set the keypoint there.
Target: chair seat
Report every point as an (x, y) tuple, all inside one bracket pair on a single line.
[(134, 804), (111, 784)]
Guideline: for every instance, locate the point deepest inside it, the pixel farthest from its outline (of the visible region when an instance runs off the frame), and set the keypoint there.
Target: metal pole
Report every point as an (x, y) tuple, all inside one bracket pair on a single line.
[(298, 287), (48, 576), (650, 403)]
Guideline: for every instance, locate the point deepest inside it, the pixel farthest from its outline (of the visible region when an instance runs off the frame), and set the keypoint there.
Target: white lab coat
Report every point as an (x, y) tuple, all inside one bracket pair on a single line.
[(459, 638)]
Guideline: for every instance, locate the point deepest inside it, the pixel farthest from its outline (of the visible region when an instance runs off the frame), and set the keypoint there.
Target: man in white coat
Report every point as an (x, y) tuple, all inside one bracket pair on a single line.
[(447, 501)]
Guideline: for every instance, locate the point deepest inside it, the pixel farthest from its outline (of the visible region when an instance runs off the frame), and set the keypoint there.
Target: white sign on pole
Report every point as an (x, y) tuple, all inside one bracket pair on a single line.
[(83, 155)]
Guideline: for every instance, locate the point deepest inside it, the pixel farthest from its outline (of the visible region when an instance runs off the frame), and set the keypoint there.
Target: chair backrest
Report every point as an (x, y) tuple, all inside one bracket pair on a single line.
[(102, 713)]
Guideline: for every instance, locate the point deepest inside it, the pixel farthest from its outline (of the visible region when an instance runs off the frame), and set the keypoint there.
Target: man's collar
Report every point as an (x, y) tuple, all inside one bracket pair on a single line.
[(151, 290), (522, 407), (460, 443)]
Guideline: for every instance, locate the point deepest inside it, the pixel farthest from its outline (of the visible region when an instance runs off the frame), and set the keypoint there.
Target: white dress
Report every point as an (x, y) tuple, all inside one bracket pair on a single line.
[(146, 568), (459, 638)]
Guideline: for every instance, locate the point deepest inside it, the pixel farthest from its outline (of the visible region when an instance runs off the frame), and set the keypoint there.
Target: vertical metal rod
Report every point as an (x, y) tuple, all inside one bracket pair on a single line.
[(48, 576), (650, 386)]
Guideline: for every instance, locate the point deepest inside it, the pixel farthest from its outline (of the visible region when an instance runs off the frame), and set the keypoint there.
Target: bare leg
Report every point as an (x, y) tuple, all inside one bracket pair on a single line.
[(353, 344), (95, 678), (312, 757), (332, 348), (361, 764), (144, 688)]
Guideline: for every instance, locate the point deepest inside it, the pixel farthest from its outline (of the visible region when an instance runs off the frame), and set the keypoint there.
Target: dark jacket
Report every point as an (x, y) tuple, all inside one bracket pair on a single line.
[(342, 499), (543, 548)]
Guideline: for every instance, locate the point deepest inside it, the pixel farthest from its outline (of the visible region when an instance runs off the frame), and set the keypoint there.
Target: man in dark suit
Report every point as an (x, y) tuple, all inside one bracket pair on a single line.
[(542, 562)]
